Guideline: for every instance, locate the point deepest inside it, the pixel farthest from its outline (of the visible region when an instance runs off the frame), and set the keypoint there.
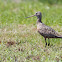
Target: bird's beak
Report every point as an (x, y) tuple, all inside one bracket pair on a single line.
[(30, 16)]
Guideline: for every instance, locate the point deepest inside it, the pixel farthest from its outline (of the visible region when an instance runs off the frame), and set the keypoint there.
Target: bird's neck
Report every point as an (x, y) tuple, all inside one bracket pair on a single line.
[(39, 20)]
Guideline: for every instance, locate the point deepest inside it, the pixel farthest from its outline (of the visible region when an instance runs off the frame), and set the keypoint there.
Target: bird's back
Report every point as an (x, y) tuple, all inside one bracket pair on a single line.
[(47, 31)]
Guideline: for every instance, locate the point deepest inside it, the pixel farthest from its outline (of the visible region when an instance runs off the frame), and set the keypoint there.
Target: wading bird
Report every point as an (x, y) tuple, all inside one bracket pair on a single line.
[(45, 31)]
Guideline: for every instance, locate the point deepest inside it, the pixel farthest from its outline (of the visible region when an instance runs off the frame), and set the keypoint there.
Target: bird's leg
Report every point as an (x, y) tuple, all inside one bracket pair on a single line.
[(45, 42), (48, 42)]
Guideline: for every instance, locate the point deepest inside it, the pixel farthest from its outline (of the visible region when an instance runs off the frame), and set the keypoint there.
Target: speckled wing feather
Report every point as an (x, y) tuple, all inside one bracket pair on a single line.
[(47, 31)]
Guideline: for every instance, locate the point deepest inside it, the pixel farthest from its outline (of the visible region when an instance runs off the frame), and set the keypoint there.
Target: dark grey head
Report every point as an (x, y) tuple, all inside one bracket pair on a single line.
[(38, 14)]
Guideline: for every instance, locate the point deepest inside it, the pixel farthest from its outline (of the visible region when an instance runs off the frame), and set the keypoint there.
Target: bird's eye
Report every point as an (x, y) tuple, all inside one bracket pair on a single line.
[(36, 12)]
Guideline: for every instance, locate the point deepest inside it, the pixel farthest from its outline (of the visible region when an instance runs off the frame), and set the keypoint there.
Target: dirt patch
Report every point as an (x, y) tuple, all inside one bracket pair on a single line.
[(0, 42), (9, 43)]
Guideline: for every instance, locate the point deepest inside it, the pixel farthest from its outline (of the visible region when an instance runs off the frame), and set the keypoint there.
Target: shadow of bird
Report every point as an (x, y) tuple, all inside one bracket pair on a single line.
[(45, 31)]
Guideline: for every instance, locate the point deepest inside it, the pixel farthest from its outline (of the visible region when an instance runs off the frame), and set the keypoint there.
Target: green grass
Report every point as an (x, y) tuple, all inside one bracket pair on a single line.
[(19, 39)]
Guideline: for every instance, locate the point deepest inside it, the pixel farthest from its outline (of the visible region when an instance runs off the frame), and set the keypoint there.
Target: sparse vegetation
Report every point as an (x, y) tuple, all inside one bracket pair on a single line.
[(19, 39)]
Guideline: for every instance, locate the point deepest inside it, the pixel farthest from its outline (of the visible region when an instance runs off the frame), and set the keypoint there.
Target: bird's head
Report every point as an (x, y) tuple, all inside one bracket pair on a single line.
[(38, 14)]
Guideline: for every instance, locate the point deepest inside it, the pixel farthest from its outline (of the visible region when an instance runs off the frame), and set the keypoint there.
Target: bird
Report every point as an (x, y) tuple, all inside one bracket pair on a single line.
[(44, 30)]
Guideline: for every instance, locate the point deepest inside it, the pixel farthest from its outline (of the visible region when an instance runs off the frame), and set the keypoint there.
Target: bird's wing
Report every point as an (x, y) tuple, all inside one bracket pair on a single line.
[(47, 31)]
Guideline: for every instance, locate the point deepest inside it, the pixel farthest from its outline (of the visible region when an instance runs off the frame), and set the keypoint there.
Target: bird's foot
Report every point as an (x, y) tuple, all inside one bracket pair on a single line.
[(48, 44), (45, 44)]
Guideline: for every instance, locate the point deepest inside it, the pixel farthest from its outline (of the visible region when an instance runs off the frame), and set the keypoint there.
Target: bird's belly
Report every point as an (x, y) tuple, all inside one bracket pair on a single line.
[(44, 35)]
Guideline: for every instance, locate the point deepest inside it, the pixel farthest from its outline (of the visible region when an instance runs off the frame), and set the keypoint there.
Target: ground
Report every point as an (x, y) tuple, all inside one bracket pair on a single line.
[(19, 39)]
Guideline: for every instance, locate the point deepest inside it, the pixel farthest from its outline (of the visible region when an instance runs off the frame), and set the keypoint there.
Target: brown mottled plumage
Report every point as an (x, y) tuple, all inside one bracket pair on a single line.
[(45, 31)]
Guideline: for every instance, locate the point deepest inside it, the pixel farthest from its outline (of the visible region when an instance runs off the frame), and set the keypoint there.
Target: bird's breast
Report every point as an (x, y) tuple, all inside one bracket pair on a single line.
[(39, 26)]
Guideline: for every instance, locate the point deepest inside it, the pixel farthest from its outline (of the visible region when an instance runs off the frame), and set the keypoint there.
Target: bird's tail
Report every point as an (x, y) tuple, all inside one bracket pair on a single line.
[(59, 36)]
